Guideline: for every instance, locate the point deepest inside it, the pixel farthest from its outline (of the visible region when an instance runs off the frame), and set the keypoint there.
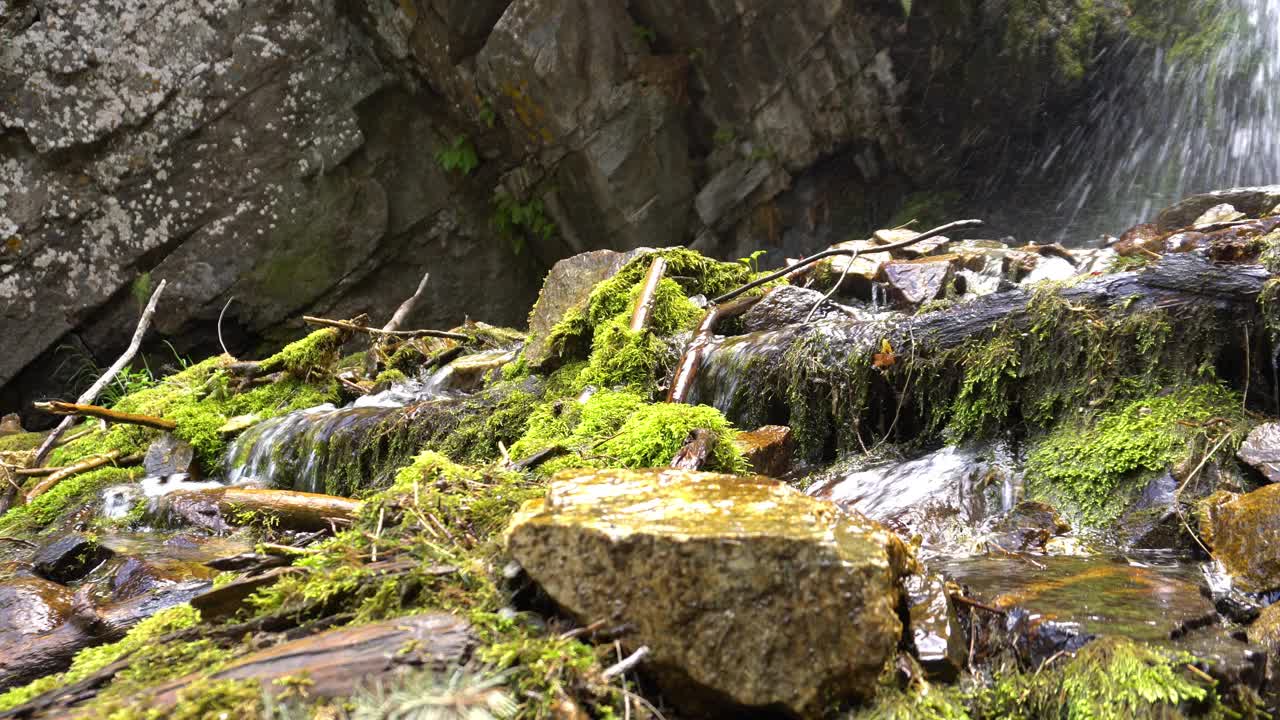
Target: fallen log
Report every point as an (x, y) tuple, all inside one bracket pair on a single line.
[(219, 509), (56, 407), (94, 390)]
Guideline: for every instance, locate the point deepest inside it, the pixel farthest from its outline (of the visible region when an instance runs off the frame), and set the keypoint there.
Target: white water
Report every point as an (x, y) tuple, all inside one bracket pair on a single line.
[(1168, 127)]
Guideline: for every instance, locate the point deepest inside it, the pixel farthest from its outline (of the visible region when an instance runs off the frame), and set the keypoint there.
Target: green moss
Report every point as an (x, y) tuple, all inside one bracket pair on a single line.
[(928, 702), (390, 376), (1093, 462), (653, 434), (309, 357), (139, 643), (21, 442), (71, 494), (622, 358), (1109, 679)]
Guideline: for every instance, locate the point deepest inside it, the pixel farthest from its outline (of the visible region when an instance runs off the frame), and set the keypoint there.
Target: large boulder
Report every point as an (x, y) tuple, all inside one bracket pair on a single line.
[(1243, 531), (747, 593)]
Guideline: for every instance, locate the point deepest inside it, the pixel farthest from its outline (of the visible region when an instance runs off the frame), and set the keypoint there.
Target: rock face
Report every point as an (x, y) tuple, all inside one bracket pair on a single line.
[(747, 592), (1243, 531), (319, 156)]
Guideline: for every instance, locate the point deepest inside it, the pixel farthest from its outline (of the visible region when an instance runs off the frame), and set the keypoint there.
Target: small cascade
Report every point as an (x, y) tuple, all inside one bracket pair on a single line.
[(728, 370), (310, 450)]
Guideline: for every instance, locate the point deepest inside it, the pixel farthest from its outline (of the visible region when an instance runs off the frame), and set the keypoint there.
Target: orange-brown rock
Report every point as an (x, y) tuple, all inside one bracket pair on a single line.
[(768, 449), (1243, 531)]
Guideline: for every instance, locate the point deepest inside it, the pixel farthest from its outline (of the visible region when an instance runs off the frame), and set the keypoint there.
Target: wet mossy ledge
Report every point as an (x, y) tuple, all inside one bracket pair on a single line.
[(1105, 380)]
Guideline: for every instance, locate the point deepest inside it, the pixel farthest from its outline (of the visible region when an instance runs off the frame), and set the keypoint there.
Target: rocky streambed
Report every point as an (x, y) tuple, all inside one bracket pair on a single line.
[(955, 478)]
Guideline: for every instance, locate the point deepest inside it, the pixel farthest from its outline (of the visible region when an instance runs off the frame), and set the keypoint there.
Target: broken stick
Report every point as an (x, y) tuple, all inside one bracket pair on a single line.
[(64, 408), (90, 463), (92, 393), (644, 303), (344, 325)]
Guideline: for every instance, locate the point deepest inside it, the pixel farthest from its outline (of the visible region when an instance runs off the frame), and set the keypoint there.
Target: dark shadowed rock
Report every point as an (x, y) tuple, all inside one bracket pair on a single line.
[(714, 584), (1028, 526), (69, 558), (31, 606)]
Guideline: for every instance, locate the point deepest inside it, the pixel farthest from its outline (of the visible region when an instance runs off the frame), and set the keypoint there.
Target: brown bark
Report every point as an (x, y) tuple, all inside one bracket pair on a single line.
[(696, 450), (65, 408), (644, 303), (292, 510)]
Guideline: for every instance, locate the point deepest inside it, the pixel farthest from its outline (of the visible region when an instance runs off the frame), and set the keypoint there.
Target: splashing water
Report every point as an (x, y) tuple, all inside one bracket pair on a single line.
[(1176, 122)]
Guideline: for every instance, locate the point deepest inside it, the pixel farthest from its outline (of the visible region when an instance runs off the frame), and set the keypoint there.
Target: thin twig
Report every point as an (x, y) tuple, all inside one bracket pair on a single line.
[(842, 251), (92, 393), (18, 541), (834, 288), (62, 408), (224, 312), (402, 313), (344, 325), (625, 665), (975, 604)]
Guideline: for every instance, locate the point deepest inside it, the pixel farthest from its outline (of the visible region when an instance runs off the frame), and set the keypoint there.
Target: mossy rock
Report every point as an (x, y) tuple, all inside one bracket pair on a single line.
[(1243, 531), (710, 570)]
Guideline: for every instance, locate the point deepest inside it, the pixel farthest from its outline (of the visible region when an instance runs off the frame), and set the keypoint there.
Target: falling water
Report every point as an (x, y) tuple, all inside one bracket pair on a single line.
[(1175, 123)]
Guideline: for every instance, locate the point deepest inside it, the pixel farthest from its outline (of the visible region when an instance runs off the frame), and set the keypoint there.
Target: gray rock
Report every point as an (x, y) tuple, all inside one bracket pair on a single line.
[(69, 558), (1252, 201), (1261, 450), (167, 455)]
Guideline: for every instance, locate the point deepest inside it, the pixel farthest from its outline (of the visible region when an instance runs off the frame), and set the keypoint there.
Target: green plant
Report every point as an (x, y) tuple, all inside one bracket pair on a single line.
[(645, 35), (141, 289), (487, 114), (459, 155), (752, 261), (517, 220), (460, 695), (724, 136)]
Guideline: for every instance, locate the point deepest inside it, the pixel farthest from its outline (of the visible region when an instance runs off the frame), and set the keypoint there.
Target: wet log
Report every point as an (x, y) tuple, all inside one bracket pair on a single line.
[(290, 509), (56, 407), (338, 662), (92, 393), (1181, 279), (40, 655)]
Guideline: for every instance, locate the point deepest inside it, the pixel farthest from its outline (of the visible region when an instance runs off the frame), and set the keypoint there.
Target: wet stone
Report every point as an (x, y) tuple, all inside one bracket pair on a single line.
[(768, 449), (137, 576), (168, 455), (1243, 531), (1218, 214), (940, 641), (31, 606), (1252, 201), (748, 594), (915, 282), (1261, 450), (69, 558), (1028, 526)]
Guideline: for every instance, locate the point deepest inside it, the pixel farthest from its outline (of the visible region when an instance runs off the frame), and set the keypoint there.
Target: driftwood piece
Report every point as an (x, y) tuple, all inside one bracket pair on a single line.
[(88, 396), (351, 327), (57, 407), (39, 655), (90, 463), (402, 313), (292, 510), (697, 448), (644, 304)]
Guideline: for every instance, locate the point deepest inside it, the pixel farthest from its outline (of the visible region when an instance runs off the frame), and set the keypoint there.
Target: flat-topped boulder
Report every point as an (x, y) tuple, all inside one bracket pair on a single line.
[(747, 592)]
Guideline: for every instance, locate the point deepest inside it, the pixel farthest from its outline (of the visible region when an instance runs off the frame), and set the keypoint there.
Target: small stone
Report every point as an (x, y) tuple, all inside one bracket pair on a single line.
[(1028, 526), (768, 449), (32, 605), (1218, 214), (1261, 450), (1050, 268), (748, 594), (11, 424), (168, 455), (935, 628), (916, 282), (238, 424), (69, 558)]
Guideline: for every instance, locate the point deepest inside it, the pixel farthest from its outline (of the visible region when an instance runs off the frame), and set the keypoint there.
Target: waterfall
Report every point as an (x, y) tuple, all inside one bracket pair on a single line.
[(1172, 122)]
